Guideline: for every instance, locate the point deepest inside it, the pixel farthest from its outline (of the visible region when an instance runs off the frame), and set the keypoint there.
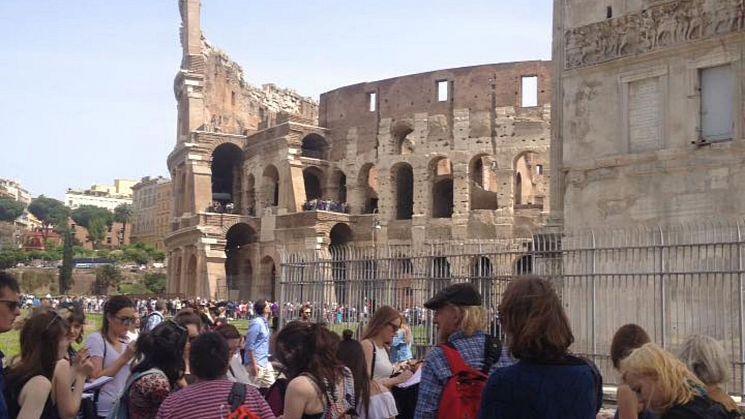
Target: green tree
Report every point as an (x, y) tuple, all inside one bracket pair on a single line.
[(84, 215), (50, 212), (122, 214), (10, 209), (97, 230), (107, 276), (156, 282), (65, 273)]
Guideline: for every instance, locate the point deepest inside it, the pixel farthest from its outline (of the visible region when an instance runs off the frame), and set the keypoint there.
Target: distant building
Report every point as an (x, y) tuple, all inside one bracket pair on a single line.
[(151, 211), (14, 190), (104, 196)]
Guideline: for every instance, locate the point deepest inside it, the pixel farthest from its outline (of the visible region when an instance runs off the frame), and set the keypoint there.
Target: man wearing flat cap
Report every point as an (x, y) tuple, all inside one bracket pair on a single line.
[(461, 322)]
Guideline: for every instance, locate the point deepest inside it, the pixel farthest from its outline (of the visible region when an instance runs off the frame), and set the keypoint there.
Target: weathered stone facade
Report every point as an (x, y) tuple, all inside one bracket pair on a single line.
[(445, 156), (647, 112)]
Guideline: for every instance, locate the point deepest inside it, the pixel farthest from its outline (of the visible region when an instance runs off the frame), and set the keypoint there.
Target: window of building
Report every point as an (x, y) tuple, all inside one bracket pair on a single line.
[(529, 91), (442, 91), (717, 100), (538, 169), (372, 103)]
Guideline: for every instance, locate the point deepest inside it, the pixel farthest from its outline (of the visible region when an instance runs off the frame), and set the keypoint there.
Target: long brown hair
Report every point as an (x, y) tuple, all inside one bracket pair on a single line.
[(351, 354), (380, 320), (40, 338), (310, 348), (534, 320)]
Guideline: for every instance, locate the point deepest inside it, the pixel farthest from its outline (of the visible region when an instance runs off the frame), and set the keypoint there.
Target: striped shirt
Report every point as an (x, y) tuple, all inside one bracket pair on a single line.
[(209, 400)]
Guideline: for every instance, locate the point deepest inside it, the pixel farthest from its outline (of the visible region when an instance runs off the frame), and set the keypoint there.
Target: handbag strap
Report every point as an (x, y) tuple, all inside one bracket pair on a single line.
[(237, 396)]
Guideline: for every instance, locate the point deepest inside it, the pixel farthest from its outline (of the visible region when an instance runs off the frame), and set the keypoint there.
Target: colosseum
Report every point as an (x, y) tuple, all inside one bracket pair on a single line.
[(453, 155)]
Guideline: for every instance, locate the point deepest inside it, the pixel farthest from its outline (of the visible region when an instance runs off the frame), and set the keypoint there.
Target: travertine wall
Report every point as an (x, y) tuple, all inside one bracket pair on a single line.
[(627, 141), (417, 168)]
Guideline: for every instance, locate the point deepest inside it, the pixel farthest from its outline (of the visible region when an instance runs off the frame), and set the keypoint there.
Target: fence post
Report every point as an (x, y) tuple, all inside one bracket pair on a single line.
[(741, 305), (663, 305), (594, 297)]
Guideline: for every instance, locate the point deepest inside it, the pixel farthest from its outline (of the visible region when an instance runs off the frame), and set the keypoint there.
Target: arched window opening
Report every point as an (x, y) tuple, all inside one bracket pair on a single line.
[(312, 180), (403, 181), (238, 267), (368, 187), (342, 187), (529, 180), (442, 188), (191, 276), (483, 183), (227, 161), (340, 236), (314, 146), (269, 277), (402, 144), (524, 265), (270, 185)]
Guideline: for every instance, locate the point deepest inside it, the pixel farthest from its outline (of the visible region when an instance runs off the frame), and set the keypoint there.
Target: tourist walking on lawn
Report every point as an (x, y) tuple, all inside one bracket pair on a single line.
[(552, 383), (461, 323), (256, 356), (111, 351), (10, 308), (210, 395)]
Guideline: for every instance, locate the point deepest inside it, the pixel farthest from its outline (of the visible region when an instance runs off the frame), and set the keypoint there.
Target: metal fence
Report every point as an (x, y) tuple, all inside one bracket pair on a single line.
[(674, 281)]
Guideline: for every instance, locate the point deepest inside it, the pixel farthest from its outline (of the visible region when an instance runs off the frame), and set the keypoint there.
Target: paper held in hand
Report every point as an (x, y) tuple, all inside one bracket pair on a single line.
[(98, 382), (415, 379)]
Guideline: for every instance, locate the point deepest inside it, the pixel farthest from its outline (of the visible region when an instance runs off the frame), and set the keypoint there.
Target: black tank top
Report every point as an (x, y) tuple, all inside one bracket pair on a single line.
[(13, 391)]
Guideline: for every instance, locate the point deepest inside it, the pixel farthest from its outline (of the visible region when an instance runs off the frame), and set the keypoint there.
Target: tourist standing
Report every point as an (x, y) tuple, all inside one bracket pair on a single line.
[(236, 370), (192, 322), (160, 364), (376, 341), (666, 386), (111, 351), (461, 322), (401, 345), (208, 397), (705, 357), (256, 356), (627, 338), (320, 385), (155, 317), (552, 383), (10, 308)]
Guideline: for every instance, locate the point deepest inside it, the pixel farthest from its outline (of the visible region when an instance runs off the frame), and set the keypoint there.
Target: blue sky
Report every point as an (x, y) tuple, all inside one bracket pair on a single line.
[(86, 91)]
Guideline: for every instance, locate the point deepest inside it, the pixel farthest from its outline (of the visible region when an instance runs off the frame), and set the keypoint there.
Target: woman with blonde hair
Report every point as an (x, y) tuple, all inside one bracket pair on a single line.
[(705, 357), (666, 386), (376, 343)]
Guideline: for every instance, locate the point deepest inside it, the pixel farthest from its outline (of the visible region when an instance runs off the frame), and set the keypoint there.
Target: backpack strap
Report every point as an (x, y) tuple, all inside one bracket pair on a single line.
[(237, 396), (372, 367), (492, 352), (457, 364)]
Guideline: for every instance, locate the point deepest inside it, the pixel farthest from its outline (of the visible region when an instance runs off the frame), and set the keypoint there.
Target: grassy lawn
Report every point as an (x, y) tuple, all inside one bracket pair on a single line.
[(10, 345)]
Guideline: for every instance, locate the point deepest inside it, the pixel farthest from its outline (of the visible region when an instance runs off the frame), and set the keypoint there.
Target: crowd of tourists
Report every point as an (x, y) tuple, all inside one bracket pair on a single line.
[(194, 364)]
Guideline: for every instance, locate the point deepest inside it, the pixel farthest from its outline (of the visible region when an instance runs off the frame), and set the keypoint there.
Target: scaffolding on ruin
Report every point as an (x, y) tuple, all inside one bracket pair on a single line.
[(674, 281)]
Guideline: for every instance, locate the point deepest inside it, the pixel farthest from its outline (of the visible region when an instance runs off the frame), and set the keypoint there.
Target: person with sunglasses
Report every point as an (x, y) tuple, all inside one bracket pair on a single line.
[(376, 344), (111, 351), (41, 383), (10, 308)]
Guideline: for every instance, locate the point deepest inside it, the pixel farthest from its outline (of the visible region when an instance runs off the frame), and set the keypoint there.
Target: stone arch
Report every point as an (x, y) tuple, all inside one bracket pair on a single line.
[(314, 146), (483, 276), (402, 188), (191, 276), (313, 180), (270, 186), (367, 185), (340, 234), (250, 202), (400, 132), (440, 272), (339, 237), (176, 280), (441, 181), (239, 272), (524, 265), (483, 183), (227, 163), (268, 276)]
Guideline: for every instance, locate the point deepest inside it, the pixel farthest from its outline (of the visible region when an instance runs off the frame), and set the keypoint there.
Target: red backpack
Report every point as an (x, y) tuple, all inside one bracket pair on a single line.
[(461, 397)]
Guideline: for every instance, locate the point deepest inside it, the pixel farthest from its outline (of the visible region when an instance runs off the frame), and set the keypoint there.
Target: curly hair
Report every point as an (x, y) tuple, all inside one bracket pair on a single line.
[(309, 348), (162, 348), (534, 320)]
